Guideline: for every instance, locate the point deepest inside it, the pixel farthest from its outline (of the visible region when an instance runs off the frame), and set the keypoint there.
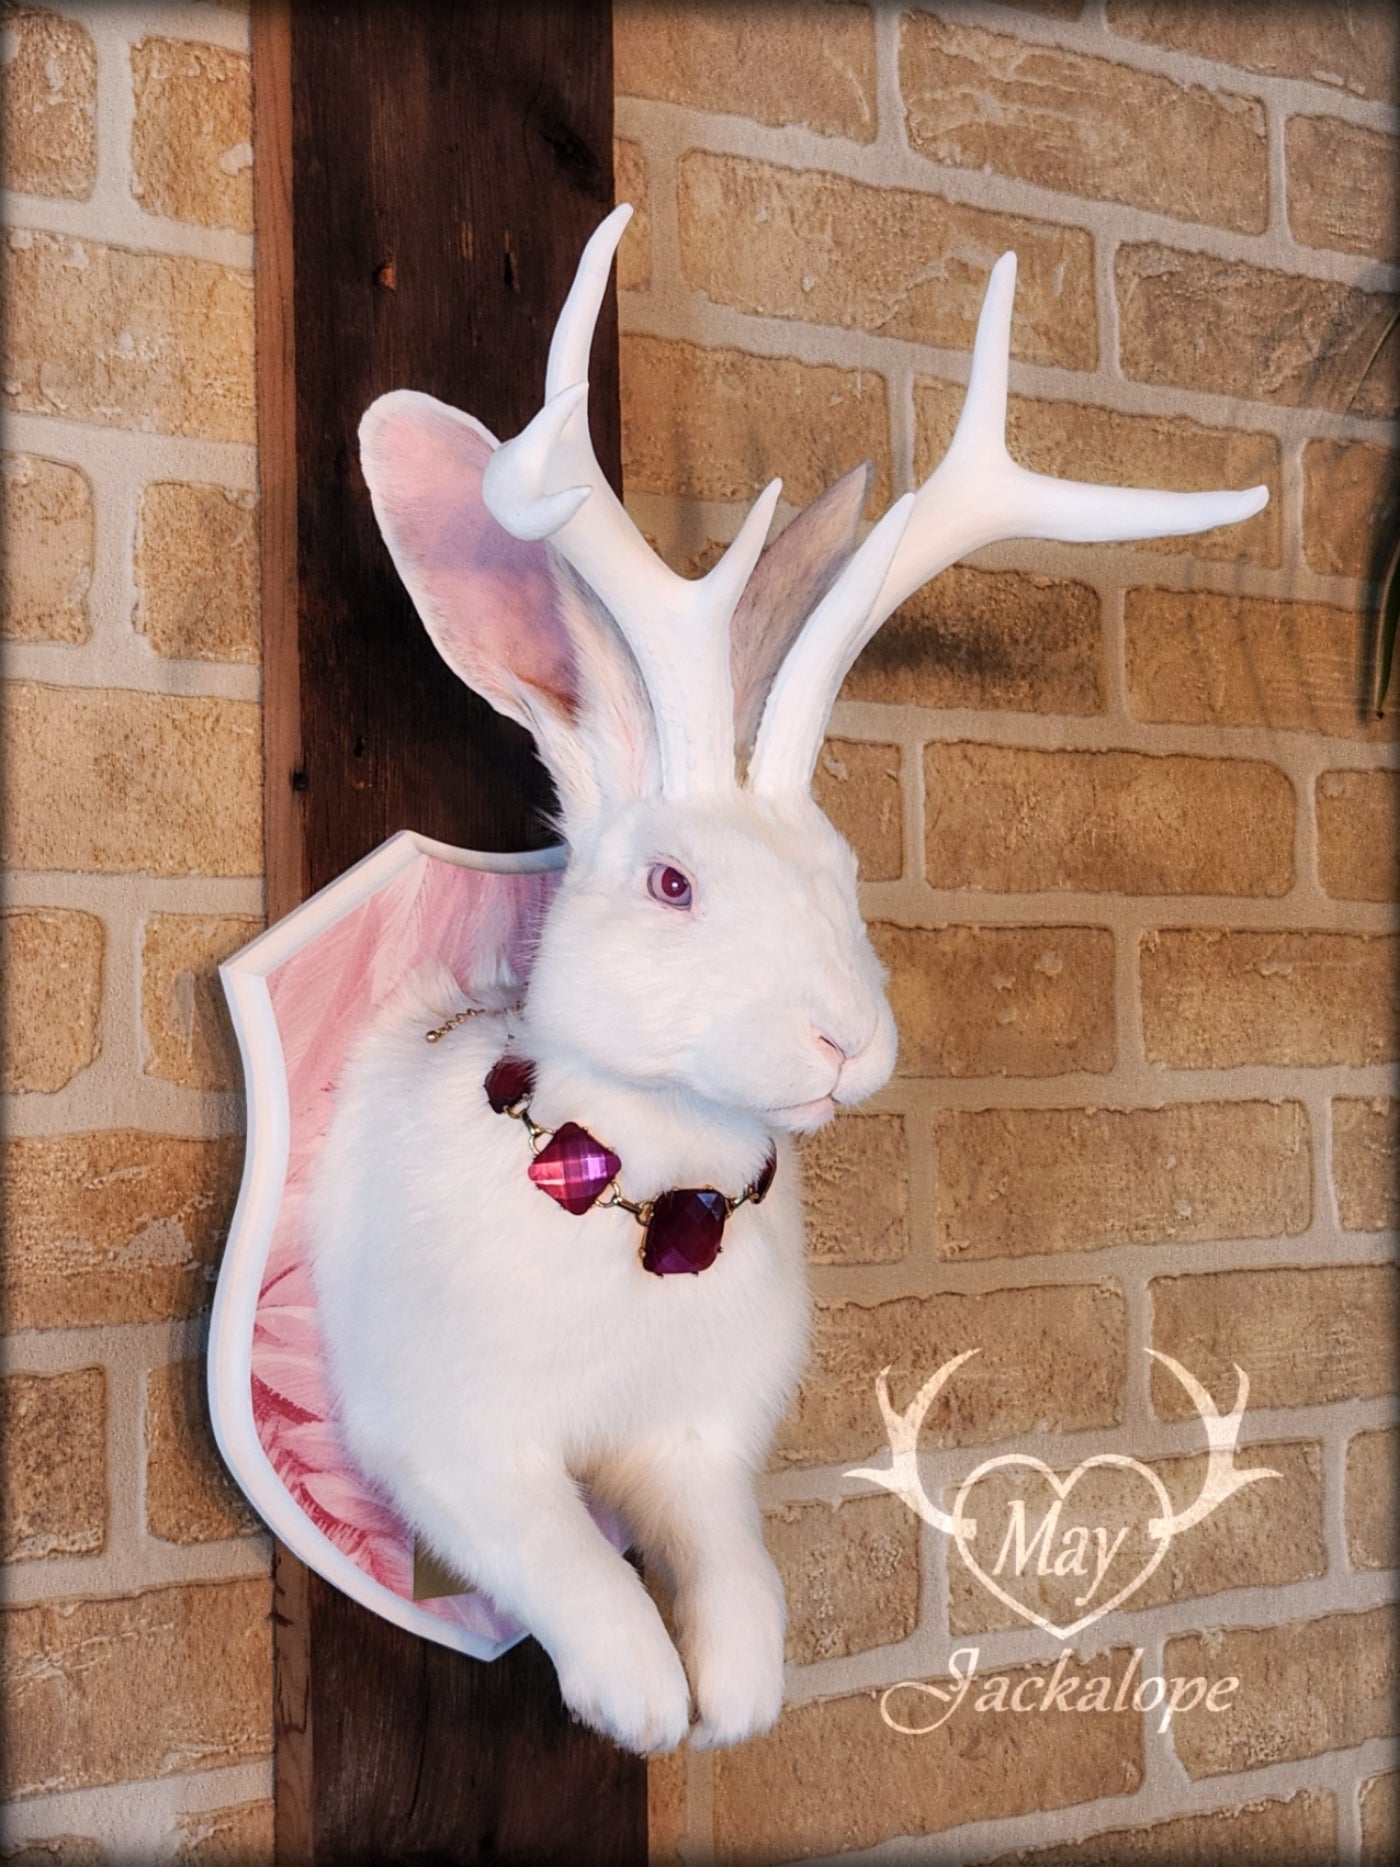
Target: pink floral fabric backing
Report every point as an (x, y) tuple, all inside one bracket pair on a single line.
[(322, 996)]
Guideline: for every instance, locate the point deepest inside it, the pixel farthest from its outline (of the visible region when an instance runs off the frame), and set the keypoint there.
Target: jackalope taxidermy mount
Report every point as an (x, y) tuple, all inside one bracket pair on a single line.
[(498, 1211)]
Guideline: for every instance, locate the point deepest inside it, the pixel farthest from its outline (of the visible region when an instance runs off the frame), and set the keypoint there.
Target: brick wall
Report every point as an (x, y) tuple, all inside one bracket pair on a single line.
[(1129, 849), (136, 1637)]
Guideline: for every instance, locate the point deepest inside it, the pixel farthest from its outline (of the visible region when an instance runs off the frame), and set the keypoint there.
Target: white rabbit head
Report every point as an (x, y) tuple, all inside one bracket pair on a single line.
[(710, 939), (706, 934)]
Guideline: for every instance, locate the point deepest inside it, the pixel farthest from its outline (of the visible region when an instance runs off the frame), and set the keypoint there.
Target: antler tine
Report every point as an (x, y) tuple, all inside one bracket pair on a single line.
[(976, 496), (546, 483)]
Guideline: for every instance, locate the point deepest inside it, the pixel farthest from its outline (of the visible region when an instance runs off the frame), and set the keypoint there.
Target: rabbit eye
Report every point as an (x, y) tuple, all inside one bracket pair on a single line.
[(668, 884)]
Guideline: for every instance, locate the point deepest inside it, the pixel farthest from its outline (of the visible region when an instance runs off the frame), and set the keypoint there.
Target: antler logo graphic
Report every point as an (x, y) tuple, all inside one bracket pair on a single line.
[(1062, 1544)]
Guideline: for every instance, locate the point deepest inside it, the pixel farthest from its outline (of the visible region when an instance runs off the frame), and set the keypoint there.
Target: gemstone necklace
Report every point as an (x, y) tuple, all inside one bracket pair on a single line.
[(682, 1228)]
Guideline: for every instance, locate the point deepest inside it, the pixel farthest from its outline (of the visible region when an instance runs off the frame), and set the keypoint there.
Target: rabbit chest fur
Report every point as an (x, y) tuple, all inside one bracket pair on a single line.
[(468, 1315)]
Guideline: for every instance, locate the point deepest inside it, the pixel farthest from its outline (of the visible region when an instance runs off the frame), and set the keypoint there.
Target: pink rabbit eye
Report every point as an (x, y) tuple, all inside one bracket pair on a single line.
[(668, 884)]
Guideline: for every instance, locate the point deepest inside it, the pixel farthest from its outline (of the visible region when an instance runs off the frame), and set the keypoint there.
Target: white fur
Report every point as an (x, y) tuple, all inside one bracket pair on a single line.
[(493, 1355), (492, 1352)]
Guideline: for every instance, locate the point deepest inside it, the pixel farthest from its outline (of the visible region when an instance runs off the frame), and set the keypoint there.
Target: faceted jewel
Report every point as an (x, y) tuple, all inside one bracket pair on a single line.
[(574, 1168), (511, 1078), (684, 1231)]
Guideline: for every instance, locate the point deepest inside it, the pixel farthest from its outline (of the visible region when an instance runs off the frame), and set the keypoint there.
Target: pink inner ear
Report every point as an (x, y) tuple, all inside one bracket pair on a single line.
[(788, 582), (487, 600)]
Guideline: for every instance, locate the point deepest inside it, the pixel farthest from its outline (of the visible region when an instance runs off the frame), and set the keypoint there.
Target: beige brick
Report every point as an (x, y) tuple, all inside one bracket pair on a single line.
[(1358, 834), (51, 960), (1019, 1182), (236, 1837), (53, 1463), (1076, 441), (1305, 1338), (197, 573), (46, 541), (988, 639), (1342, 189), (149, 341), (1202, 658), (1050, 1360), (855, 1190), (633, 184), (57, 1851), (797, 243), (49, 123), (1000, 1001), (129, 1687), (666, 1778), (190, 1498), (1373, 1500), (1191, 321), (1303, 1829), (192, 138), (858, 787), (1355, 51), (1213, 999), (851, 1573), (1008, 819), (1305, 1688), (1380, 1820), (774, 1800), (1366, 1163), (816, 68), (1237, 1546), (719, 424), (120, 782), (117, 1226), (1053, 9), (983, 100), (189, 1038), (1351, 505)]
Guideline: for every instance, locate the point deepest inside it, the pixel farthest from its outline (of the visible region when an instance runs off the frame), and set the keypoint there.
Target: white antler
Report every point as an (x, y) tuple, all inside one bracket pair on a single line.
[(547, 483), (976, 496), (1223, 1477), (903, 1429)]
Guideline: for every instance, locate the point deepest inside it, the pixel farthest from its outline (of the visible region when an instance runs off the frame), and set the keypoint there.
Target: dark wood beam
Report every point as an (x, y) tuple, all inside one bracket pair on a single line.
[(427, 175)]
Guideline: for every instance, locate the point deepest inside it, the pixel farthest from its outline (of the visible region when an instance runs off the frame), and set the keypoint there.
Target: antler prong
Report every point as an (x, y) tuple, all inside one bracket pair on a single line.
[(976, 496), (1222, 1477), (572, 342), (546, 483), (902, 1430)]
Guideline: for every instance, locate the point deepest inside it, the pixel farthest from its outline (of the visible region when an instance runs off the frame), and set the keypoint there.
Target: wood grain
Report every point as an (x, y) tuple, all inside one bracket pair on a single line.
[(427, 175)]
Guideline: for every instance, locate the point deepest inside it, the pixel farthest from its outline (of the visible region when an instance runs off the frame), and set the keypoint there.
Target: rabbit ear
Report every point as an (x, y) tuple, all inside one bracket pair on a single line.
[(503, 612), (788, 582), (488, 600)]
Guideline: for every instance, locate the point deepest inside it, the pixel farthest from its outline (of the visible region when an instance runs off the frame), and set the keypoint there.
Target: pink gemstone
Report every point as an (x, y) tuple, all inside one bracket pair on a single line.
[(764, 1181), (684, 1231), (574, 1168), (511, 1078)]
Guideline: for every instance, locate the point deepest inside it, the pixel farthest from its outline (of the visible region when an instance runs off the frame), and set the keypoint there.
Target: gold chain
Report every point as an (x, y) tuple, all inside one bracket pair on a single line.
[(540, 1136)]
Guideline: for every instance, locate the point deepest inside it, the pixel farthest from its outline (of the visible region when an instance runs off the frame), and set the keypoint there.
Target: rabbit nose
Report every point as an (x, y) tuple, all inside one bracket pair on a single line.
[(831, 1052)]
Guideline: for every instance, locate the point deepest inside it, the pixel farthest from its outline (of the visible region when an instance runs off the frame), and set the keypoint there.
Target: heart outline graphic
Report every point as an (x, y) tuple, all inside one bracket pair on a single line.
[(1062, 1487)]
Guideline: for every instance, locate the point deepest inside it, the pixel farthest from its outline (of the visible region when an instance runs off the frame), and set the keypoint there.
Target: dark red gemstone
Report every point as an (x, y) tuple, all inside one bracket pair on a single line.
[(758, 1192), (574, 1168), (684, 1231), (511, 1079)]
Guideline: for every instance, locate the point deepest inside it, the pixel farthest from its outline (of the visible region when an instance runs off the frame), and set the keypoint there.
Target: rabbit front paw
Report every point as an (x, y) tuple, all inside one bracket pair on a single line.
[(627, 1681), (736, 1661)]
